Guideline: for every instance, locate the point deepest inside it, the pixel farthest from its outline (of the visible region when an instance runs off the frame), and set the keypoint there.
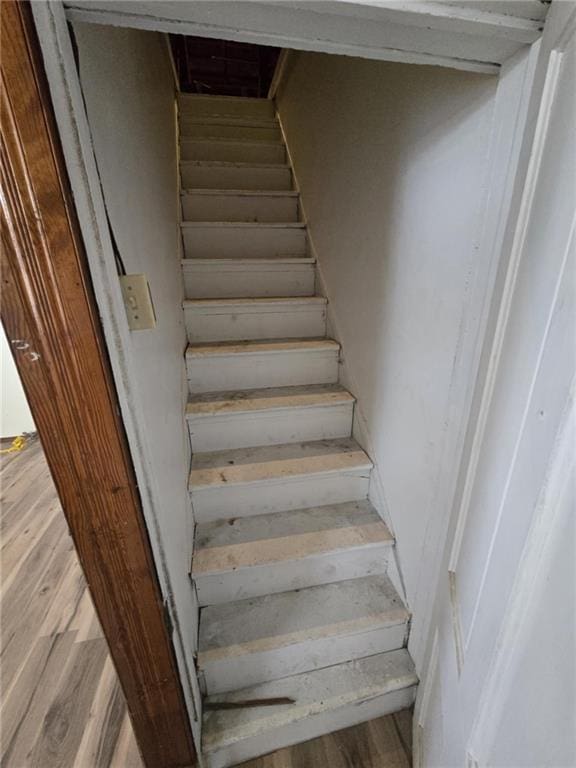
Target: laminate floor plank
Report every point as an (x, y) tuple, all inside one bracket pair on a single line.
[(15, 706), (18, 751), (403, 722), (22, 617), (62, 705), (376, 744), (28, 534), (68, 714), (126, 755), (104, 721)]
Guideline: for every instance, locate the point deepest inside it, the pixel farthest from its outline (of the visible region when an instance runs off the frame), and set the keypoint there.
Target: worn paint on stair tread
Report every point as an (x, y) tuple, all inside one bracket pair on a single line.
[(242, 142), (229, 164), (340, 629), (245, 621), (297, 546), (254, 303), (214, 403), (287, 618), (246, 465), (242, 224), (260, 346), (314, 692), (276, 524), (225, 120), (240, 192), (240, 263), (243, 263)]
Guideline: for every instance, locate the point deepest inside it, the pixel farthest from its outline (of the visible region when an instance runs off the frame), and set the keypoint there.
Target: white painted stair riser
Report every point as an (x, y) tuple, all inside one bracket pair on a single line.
[(200, 174), (229, 278), (254, 369), (246, 205), (258, 498), (243, 240), (222, 129), (287, 425), (197, 105), (232, 151), (238, 322)]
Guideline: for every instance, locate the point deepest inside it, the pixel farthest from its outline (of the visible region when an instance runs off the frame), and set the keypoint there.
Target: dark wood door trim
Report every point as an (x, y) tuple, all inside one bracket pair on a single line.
[(51, 321)]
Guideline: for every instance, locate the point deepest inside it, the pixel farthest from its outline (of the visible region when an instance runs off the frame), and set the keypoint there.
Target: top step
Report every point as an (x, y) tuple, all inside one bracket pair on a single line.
[(200, 105)]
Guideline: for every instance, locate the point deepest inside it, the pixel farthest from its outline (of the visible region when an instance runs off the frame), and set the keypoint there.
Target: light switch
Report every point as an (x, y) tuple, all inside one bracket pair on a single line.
[(138, 302)]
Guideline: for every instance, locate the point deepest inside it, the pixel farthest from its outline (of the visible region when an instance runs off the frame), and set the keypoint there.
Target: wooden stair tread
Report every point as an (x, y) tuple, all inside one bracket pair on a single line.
[(184, 97), (243, 224), (221, 140), (276, 462), (320, 691), (258, 302), (245, 262), (240, 261), (226, 545), (242, 122), (241, 192), (260, 346), (265, 623), (253, 400), (232, 164)]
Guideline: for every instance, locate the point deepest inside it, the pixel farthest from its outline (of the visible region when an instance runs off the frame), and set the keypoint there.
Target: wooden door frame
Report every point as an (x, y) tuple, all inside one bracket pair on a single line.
[(52, 323)]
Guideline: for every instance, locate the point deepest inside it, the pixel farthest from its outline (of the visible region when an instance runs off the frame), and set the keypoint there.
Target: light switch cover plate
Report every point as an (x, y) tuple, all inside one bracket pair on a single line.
[(138, 302)]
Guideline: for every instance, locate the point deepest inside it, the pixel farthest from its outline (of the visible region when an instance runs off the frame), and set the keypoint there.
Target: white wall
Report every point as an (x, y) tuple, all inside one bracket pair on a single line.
[(15, 416), (537, 724), (128, 89), (502, 686), (392, 162)]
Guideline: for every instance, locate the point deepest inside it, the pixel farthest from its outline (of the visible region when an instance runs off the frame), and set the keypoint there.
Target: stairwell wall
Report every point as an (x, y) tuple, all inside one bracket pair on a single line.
[(128, 87), (392, 162)]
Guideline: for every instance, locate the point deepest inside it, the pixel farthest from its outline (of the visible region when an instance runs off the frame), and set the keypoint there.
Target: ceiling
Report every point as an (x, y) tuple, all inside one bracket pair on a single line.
[(478, 35)]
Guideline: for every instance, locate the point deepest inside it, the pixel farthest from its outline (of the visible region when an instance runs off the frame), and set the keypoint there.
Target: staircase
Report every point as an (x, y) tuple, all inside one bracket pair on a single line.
[(290, 557)]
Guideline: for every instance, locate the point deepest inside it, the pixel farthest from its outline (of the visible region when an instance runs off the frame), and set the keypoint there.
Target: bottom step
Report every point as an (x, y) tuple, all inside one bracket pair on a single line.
[(325, 700)]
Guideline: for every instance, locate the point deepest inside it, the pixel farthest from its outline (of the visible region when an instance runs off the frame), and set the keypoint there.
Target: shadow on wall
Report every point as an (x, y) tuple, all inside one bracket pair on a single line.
[(391, 160)]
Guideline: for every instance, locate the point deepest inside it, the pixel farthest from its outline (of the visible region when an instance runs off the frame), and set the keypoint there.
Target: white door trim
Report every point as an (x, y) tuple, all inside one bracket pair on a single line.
[(501, 324), (509, 127)]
